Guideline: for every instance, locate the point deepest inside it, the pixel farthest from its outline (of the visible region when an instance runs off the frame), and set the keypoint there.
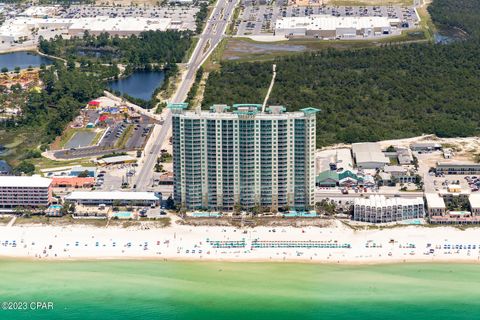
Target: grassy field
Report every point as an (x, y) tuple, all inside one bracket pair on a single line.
[(120, 144), (213, 61), (61, 221), (97, 137), (426, 23), (5, 220), (190, 50), (153, 223), (17, 142), (44, 163)]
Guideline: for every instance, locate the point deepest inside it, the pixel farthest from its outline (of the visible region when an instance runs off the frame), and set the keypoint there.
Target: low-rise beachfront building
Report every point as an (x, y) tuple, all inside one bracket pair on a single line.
[(20, 191), (474, 201), (110, 198), (435, 205), (379, 209)]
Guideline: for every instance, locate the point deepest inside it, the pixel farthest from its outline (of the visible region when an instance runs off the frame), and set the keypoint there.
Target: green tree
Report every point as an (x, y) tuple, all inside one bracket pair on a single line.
[(24, 167)]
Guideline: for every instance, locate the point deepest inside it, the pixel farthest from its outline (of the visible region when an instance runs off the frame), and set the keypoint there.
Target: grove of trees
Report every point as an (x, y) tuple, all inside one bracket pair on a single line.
[(376, 93)]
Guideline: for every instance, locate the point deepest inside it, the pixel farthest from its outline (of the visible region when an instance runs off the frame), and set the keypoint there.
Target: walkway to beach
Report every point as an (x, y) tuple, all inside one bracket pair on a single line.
[(11, 222)]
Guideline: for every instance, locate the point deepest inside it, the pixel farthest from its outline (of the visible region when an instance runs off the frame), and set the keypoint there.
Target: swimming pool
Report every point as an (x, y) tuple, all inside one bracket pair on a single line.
[(54, 210), (205, 215), (300, 214), (122, 215)]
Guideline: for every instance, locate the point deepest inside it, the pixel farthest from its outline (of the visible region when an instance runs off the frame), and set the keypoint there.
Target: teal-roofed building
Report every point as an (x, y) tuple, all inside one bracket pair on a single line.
[(327, 179), (240, 156), (347, 178)]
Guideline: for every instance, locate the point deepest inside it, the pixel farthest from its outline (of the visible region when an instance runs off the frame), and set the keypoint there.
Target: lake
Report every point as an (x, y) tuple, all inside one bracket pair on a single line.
[(22, 59), (219, 290), (141, 84)]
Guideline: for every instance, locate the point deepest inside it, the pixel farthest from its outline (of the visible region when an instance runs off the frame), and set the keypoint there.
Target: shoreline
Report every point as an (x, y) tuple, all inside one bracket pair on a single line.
[(333, 245), (245, 261)]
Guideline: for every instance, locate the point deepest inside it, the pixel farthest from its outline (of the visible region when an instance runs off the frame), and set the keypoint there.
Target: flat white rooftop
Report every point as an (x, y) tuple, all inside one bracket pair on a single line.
[(434, 201), (382, 201), (111, 195), (474, 200), (25, 182), (117, 159), (127, 24), (327, 22), (368, 152)]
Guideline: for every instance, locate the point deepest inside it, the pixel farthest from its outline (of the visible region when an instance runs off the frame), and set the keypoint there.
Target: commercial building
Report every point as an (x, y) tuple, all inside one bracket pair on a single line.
[(78, 170), (368, 155), (118, 26), (333, 27), (379, 209), (425, 146), (345, 178), (327, 179), (113, 197), (243, 159), (404, 156), (22, 28), (458, 168), (25, 191), (333, 159), (400, 174), (73, 182)]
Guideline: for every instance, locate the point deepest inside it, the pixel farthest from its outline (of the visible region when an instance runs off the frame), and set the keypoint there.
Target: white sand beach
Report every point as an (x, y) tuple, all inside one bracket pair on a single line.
[(336, 244)]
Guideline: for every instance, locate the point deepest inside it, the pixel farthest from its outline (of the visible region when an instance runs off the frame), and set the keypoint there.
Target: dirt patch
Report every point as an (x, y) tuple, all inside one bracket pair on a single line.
[(246, 49)]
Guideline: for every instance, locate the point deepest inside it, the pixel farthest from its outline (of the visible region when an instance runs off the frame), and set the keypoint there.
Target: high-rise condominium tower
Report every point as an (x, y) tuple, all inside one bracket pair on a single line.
[(243, 159)]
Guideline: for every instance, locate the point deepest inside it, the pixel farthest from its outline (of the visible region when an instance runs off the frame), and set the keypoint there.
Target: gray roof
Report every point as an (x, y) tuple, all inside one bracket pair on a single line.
[(368, 152)]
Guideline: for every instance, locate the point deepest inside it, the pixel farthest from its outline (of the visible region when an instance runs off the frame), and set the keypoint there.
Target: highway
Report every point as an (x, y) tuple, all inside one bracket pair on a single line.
[(211, 36)]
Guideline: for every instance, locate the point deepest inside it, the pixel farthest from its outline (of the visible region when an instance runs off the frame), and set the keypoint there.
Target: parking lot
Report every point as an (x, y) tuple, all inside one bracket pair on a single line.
[(120, 135), (81, 139), (258, 19), (467, 183)]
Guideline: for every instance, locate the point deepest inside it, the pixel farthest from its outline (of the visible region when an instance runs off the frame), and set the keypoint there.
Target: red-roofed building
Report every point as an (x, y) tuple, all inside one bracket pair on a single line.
[(102, 118), (72, 182), (94, 104)]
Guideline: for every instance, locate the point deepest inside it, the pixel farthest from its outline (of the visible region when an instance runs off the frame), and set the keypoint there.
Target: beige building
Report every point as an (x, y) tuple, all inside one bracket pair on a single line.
[(435, 205)]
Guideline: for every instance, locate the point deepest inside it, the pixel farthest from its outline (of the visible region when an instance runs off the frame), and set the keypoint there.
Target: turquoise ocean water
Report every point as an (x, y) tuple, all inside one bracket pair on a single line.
[(192, 290)]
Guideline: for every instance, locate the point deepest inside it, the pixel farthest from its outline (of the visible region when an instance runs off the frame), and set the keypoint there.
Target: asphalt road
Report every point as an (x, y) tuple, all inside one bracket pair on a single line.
[(209, 39)]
